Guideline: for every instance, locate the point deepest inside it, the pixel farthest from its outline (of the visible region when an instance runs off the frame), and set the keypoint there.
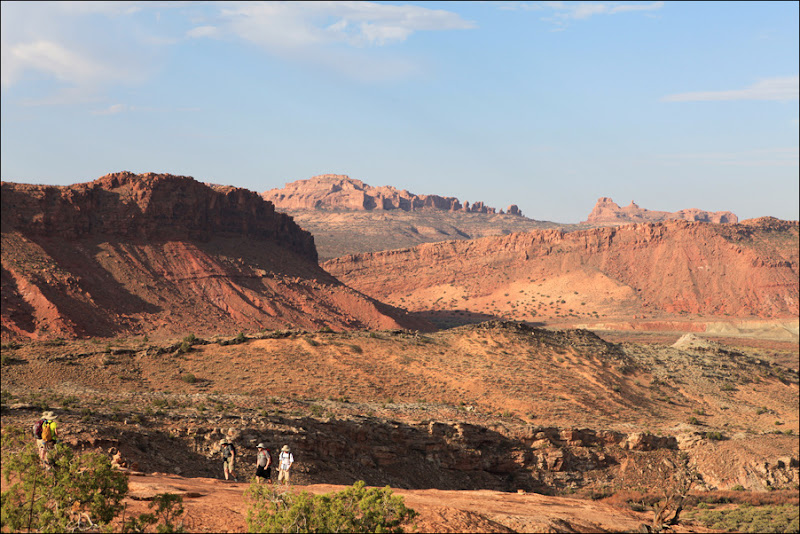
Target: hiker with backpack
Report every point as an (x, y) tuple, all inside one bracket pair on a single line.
[(264, 461), (46, 433), (285, 461), (228, 458)]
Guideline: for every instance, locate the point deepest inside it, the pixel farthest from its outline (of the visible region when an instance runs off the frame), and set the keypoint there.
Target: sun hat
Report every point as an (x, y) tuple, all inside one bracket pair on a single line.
[(49, 415), (224, 442), (261, 446), (285, 448)]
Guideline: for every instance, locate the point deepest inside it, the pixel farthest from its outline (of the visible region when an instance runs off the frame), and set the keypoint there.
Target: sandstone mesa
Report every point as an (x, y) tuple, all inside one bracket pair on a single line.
[(606, 211), (339, 191)]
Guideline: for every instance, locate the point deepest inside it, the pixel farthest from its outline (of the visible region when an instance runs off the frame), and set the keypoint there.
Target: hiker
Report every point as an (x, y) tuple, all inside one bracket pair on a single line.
[(46, 434), (228, 458), (263, 464), (285, 461)]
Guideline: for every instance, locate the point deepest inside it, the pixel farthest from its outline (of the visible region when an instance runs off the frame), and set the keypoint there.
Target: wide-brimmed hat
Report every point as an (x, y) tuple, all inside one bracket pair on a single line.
[(261, 446), (285, 448), (49, 415), (224, 442)]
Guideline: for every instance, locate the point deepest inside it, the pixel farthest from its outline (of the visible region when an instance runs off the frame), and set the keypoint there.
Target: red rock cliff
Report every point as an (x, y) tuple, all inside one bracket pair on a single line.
[(149, 206)]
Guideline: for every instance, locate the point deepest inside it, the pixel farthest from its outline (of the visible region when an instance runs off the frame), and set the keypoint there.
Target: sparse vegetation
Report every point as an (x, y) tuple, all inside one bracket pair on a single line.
[(76, 492), (355, 509), (189, 378), (168, 509), (746, 518)]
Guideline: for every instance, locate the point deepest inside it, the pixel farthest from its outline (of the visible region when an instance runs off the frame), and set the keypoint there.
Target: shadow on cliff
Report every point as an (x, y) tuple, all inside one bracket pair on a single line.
[(19, 312), (93, 301), (431, 455)]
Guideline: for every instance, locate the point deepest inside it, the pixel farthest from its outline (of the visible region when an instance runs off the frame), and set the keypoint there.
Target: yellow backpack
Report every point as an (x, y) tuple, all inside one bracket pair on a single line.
[(47, 431)]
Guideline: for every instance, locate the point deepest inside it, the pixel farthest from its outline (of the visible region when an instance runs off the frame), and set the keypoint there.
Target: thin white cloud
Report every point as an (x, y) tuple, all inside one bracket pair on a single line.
[(336, 35), (111, 110), (777, 89), (55, 59), (298, 24), (563, 11), (203, 31), (70, 43)]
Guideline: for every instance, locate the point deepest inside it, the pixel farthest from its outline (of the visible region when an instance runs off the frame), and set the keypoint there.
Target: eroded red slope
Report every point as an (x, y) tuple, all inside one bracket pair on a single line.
[(164, 255)]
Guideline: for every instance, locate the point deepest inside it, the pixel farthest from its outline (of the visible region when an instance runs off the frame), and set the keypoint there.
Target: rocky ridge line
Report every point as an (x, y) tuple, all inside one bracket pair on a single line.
[(148, 206), (606, 211), (339, 191)]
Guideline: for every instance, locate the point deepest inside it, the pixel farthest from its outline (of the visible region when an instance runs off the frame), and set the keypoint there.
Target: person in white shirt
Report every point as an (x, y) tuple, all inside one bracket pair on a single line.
[(285, 461)]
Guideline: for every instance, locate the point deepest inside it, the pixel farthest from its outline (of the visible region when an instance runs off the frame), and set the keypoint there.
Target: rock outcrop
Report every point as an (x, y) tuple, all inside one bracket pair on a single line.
[(148, 206), (340, 192), (164, 255), (606, 211)]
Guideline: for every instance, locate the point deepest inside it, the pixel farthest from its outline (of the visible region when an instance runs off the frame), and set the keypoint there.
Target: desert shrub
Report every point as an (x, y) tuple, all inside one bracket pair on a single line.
[(240, 338), (168, 508), (746, 518), (715, 436), (58, 499), (355, 509), (189, 378)]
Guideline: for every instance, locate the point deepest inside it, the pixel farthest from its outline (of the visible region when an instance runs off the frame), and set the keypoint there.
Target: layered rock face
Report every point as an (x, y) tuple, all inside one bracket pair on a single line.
[(162, 254), (148, 206), (654, 270), (340, 192), (606, 211)]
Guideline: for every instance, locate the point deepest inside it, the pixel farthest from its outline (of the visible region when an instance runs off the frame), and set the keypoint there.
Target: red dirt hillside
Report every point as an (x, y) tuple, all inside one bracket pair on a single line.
[(659, 271), (163, 255)]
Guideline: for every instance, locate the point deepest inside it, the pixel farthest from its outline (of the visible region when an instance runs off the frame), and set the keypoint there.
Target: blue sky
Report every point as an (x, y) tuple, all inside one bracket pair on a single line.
[(547, 105)]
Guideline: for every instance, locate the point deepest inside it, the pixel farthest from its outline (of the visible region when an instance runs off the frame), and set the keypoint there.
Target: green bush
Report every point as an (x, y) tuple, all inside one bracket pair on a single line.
[(355, 509), (168, 508), (745, 518), (79, 492), (54, 500), (189, 378)]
